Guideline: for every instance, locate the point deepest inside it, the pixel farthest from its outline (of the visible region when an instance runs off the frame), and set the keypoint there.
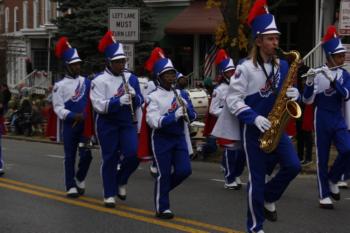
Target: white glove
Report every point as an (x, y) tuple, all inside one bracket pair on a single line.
[(132, 91), (125, 100), (292, 93), (327, 72), (311, 74), (179, 113), (262, 123)]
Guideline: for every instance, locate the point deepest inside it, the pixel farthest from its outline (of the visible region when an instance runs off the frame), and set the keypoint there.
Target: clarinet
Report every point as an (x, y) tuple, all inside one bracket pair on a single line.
[(127, 91), (180, 101)]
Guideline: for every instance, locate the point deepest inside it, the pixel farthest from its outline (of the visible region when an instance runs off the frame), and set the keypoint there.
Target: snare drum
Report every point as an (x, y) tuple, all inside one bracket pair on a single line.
[(199, 98)]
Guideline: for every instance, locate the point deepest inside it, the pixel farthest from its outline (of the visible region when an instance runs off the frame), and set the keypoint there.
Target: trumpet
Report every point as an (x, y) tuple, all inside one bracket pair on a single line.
[(319, 70), (180, 101), (127, 91)]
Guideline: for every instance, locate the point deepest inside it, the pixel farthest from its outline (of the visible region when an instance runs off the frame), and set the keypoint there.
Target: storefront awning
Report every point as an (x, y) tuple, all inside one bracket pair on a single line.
[(195, 19)]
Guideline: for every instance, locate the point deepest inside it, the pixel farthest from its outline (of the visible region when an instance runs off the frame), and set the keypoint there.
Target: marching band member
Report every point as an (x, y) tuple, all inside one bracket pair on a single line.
[(166, 112), (252, 94), (145, 135), (230, 159), (71, 102), (181, 84), (327, 90), (115, 93), (181, 81)]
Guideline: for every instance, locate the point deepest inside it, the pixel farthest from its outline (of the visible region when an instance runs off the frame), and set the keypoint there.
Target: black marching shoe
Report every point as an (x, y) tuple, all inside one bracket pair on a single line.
[(80, 187), (153, 171), (342, 185), (2, 172), (72, 193), (335, 192), (326, 203), (335, 196), (122, 192), (270, 215), (109, 202), (166, 214)]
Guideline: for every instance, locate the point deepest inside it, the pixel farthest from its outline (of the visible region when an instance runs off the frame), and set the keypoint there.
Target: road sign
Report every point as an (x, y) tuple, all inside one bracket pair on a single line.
[(129, 53), (125, 24)]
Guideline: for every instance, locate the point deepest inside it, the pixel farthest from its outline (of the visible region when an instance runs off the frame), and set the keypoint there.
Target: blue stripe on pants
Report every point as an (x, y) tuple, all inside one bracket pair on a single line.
[(169, 152), (258, 165), (71, 138), (115, 140), (330, 127)]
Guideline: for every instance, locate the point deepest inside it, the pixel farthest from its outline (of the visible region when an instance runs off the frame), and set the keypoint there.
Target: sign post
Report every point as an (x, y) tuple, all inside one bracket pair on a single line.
[(129, 50)]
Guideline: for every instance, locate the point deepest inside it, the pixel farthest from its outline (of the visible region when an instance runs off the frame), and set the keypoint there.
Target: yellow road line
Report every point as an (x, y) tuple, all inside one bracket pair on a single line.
[(103, 209), (124, 207)]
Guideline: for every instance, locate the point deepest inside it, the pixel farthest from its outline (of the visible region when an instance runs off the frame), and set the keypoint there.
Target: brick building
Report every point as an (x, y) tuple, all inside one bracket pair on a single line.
[(26, 30)]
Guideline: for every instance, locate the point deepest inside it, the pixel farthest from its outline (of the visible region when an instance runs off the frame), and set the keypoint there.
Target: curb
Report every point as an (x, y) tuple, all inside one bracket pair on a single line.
[(30, 139)]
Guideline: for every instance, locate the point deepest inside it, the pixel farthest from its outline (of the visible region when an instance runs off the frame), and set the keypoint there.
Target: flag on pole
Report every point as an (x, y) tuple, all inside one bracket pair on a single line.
[(209, 61)]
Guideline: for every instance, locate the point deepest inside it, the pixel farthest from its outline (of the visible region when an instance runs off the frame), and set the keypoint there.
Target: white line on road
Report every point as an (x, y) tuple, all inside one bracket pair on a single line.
[(223, 181), (217, 180), (55, 156)]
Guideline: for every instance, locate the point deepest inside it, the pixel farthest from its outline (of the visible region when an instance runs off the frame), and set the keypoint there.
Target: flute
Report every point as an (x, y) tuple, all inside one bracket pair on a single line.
[(319, 70), (127, 91), (180, 101)]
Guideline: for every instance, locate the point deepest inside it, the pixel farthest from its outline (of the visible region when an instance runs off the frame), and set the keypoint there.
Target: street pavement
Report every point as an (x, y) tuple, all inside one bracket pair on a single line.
[(32, 200)]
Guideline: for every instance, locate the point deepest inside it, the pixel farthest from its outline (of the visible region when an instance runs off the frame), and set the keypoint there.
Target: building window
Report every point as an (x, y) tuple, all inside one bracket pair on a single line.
[(15, 19), (36, 14), (25, 14), (42, 10), (39, 59), (7, 19), (48, 9)]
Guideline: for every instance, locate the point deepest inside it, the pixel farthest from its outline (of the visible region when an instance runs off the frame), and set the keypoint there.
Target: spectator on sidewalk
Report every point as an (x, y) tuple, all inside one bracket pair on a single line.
[(6, 95)]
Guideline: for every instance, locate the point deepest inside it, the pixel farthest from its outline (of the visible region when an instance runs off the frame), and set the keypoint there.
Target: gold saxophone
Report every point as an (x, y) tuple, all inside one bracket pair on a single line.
[(283, 108)]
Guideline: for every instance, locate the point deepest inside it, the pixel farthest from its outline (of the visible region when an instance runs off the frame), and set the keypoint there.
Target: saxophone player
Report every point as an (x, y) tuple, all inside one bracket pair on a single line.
[(328, 90), (253, 91), (169, 144), (116, 130)]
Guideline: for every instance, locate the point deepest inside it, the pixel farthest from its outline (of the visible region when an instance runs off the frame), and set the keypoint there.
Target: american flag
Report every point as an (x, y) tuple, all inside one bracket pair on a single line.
[(209, 61)]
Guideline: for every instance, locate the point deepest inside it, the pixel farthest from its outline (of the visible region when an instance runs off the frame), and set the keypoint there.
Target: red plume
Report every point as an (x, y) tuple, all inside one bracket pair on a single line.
[(61, 46), (220, 56), (331, 33), (156, 54), (106, 40), (259, 8)]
